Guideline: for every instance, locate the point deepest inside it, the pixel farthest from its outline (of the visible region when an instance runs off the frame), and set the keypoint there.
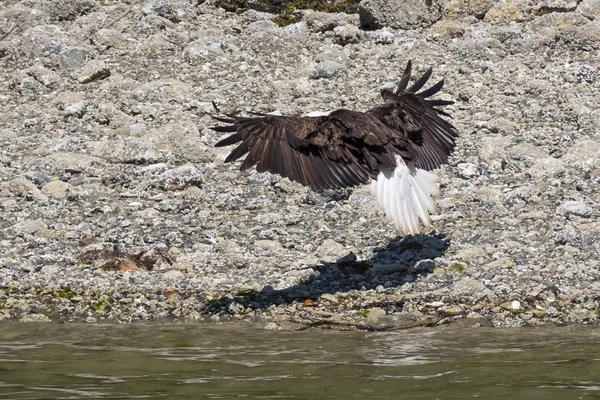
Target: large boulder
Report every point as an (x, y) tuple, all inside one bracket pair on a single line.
[(399, 14)]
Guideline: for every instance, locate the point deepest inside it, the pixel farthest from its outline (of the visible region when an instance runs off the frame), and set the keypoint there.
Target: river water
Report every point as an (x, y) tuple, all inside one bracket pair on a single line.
[(199, 361)]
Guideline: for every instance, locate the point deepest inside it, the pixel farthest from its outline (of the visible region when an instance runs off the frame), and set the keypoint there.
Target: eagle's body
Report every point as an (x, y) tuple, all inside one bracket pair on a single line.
[(394, 146)]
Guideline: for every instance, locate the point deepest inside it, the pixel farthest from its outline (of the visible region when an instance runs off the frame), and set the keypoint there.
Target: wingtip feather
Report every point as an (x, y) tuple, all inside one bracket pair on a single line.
[(405, 78)]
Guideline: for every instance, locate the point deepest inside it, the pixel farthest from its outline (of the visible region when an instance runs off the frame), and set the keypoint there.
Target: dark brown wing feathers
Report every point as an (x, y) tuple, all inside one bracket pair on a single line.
[(433, 137), (346, 148), (321, 152)]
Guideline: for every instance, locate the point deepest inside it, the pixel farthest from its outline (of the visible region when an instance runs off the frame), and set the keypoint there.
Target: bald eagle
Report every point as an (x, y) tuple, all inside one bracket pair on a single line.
[(395, 146)]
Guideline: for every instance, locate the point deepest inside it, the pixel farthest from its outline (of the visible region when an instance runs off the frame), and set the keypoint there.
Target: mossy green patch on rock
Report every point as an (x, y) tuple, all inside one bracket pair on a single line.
[(458, 268), (245, 292), (65, 293), (96, 305)]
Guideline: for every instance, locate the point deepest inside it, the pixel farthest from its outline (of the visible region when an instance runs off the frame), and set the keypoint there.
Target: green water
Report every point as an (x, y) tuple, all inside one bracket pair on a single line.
[(72, 361)]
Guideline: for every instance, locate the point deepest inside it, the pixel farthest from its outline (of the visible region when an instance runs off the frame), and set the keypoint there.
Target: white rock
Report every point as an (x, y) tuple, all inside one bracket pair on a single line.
[(384, 36), (575, 208), (76, 109), (467, 170)]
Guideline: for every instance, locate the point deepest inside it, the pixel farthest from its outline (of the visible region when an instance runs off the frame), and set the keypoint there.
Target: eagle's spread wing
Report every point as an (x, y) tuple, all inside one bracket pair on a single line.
[(410, 113), (346, 148)]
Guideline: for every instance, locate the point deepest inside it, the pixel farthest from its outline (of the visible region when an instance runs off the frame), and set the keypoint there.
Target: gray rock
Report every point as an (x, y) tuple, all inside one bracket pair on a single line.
[(180, 178), (176, 141), (576, 208), (586, 73), (589, 8), (506, 11), (92, 71), (583, 153), (338, 56), (89, 191), (272, 326), (35, 318), (398, 14), (203, 50), (56, 189), (20, 187), (295, 30), (253, 16), (330, 250), (23, 16), (43, 75), (454, 9), (346, 34), (137, 129), (375, 315), (174, 11), (107, 38), (63, 10), (61, 162), (73, 57), (76, 109), (173, 275), (321, 22), (469, 286), (28, 227), (271, 246), (562, 5), (53, 42), (263, 25), (328, 69)]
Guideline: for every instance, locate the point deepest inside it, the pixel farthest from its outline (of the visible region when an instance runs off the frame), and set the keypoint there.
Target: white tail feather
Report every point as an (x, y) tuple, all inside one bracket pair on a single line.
[(406, 194)]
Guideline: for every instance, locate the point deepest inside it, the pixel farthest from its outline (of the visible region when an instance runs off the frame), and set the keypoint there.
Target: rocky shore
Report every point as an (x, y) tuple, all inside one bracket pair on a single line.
[(115, 206)]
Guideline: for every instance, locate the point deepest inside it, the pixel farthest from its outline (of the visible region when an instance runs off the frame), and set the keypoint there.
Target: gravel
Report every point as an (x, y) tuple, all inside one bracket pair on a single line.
[(116, 206)]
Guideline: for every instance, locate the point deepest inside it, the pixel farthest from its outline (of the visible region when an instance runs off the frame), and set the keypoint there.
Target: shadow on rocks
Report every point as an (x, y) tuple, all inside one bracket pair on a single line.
[(400, 262)]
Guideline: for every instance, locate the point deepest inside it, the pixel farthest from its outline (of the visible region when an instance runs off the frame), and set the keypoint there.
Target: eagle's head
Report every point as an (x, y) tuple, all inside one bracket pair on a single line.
[(387, 94)]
